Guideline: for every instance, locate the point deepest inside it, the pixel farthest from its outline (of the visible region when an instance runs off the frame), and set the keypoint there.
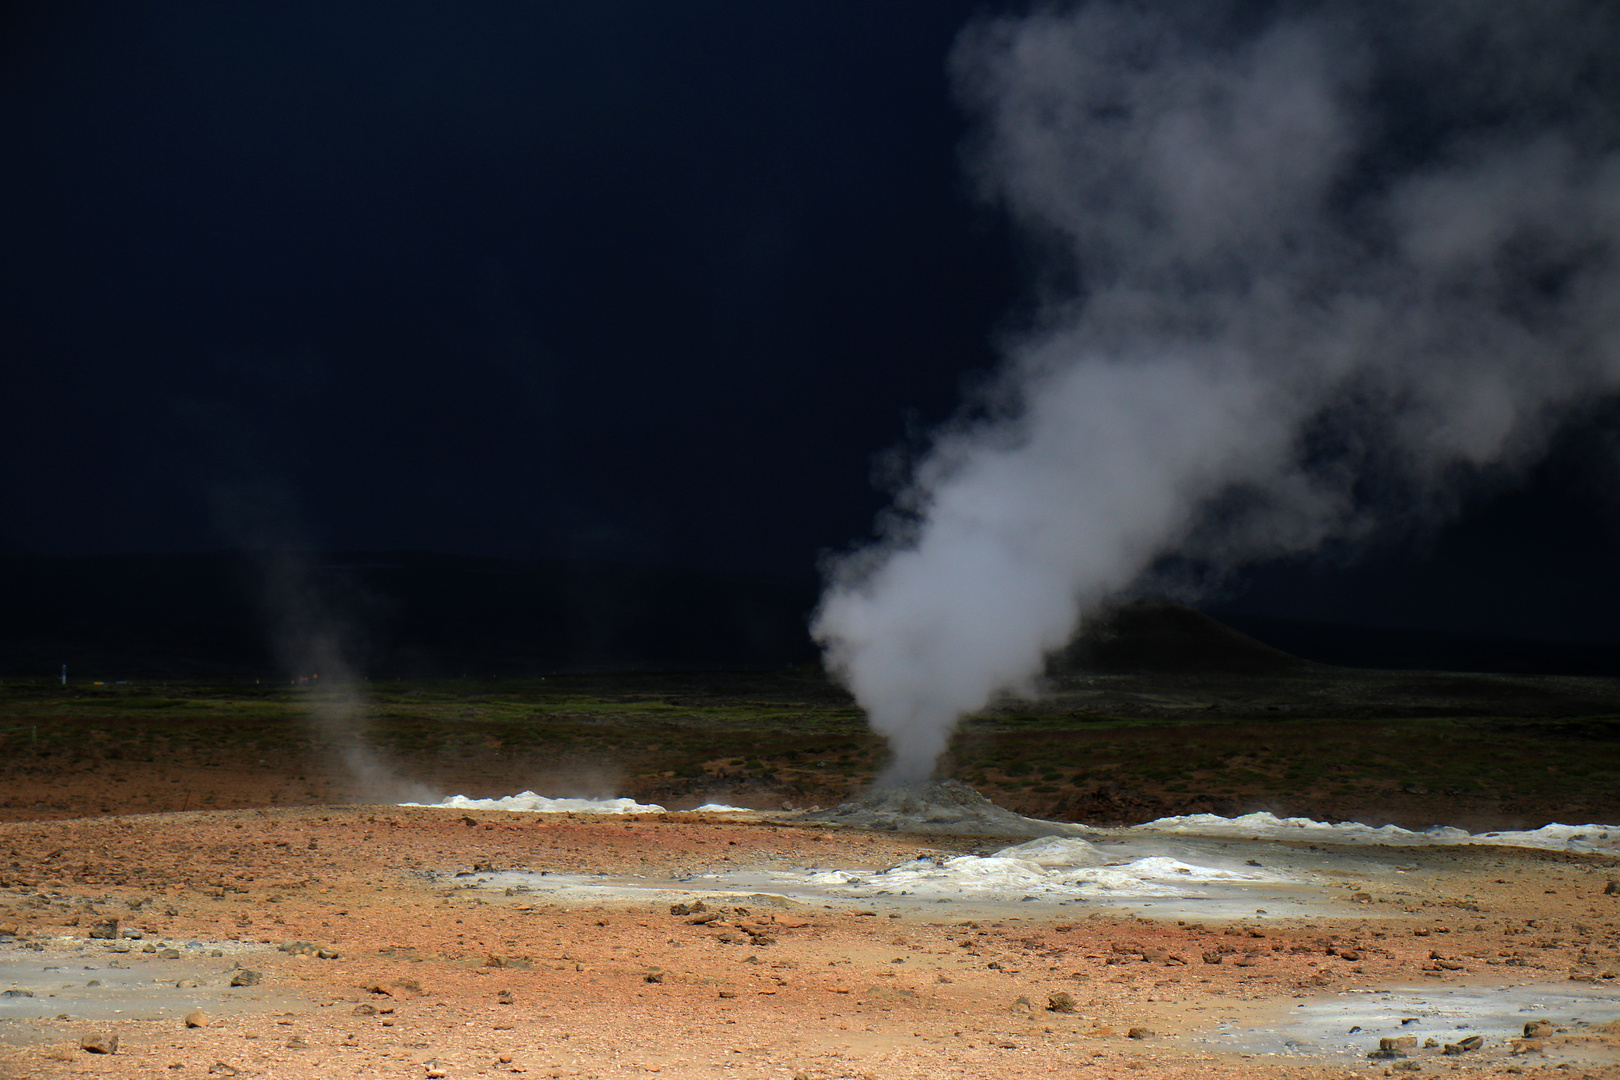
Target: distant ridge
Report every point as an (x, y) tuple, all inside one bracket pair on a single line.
[(1143, 636)]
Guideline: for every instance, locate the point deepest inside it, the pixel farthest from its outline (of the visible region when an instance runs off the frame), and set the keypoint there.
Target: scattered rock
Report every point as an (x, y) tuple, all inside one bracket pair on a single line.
[(653, 977), (494, 960), (196, 1018), (308, 948), (1212, 958), (1060, 1002), (297, 1043), (1612, 889), (1538, 1029), (244, 977), (105, 931), (1139, 1033), (363, 1009), (1398, 1042), (16, 994), (504, 998), (219, 1068), (1462, 1046), (99, 1044)]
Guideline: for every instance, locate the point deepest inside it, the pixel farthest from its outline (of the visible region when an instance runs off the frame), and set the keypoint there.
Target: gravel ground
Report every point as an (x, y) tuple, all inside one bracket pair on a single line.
[(430, 978)]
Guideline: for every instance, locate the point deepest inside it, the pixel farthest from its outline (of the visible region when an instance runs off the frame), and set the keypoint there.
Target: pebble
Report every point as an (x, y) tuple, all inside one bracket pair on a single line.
[(196, 1018), (1060, 1002), (99, 1044), (1139, 1033), (245, 977)]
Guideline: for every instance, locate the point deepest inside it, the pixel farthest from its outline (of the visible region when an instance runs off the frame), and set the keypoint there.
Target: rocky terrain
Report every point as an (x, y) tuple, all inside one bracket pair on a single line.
[(338, 941)]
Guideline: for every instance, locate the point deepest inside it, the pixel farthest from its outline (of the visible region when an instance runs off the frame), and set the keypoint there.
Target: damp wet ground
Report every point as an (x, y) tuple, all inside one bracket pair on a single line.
[(78, 980), (1349, 1026)]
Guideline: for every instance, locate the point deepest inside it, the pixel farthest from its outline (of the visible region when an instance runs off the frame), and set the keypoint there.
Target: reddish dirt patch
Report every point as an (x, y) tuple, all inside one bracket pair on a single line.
[(476, 983)]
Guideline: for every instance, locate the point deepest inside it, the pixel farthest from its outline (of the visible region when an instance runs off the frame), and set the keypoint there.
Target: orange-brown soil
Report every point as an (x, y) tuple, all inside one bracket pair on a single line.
[(431, 979)]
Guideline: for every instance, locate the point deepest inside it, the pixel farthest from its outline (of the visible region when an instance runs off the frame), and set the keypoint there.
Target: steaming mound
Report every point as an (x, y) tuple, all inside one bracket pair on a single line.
[(935, 806), (1141, 636)]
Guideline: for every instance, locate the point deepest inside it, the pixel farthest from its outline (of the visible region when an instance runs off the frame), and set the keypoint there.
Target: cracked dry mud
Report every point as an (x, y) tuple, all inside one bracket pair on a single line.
[(433, 978)]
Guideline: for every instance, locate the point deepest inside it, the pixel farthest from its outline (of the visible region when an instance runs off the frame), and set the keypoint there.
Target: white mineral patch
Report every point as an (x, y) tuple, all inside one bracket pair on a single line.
[(1264, 826), (720, 808), (529, 802), (1052, 866)]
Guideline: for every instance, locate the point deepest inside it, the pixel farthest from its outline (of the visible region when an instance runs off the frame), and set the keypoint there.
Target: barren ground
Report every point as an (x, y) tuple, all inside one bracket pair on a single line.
[(209, 819), (433, 978)]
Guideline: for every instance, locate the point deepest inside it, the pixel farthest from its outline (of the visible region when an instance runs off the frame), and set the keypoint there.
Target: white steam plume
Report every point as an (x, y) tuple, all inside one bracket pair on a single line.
[(1298, 258)]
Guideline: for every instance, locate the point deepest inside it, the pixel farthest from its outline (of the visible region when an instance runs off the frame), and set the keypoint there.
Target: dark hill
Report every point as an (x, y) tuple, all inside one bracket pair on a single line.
[(1154, 637)]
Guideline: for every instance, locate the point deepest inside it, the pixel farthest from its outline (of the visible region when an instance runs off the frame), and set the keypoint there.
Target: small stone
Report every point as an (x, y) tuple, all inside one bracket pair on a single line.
[(169, 954), (1139, 1033), (196, 1018), (245, 977), (365, 1010), (1538, 1029), (186, 984), (16, 993), (653, 977), (1398, 1042), (504, 1059), (504, 998), (219, 1068), (1430, 1044), (1212, 958), (680, 909), (297, 1043), (1407, 1066), (1060, 1002), (494, 960), (105, 931), (1612, 889), (99, 1044)]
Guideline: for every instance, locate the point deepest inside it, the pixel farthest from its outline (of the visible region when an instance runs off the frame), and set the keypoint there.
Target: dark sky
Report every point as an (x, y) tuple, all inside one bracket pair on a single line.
[(636, 280), (640, 280)]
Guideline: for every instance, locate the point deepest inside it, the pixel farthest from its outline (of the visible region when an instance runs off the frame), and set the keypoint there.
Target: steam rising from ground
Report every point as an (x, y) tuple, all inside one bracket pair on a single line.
[(317, 644), (1308, 273)]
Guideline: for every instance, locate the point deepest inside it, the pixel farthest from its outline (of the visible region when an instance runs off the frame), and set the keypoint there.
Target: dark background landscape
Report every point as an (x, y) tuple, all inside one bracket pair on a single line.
[(243, 614)]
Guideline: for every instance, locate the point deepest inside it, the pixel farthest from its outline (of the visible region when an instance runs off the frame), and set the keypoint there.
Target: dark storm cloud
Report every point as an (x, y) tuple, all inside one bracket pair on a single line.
[(507, 278), (1296, 249)]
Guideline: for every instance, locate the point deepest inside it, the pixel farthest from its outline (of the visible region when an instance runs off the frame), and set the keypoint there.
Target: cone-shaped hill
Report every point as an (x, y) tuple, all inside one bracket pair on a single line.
[(1141, 636)]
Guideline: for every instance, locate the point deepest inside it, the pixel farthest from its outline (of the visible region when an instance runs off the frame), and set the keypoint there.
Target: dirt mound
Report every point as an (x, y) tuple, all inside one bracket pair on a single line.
[(947, 807), (1142, 636)]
